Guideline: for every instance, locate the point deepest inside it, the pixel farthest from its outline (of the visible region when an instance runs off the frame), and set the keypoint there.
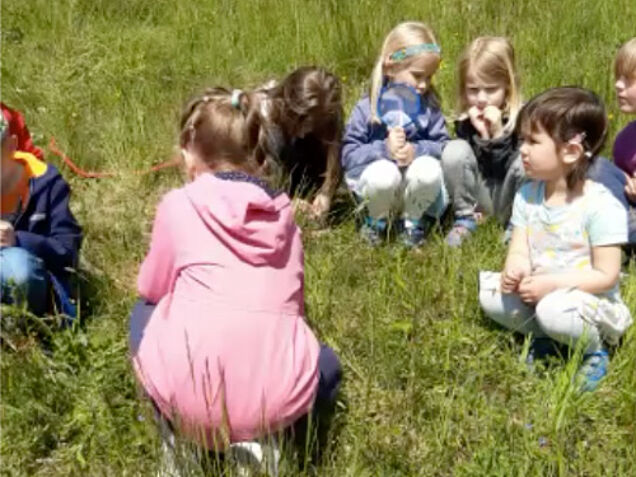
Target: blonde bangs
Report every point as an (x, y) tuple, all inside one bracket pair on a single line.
[(625, 63)]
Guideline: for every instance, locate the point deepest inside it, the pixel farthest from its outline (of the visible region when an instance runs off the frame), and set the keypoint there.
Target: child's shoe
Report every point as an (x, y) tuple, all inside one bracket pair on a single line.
[(168, 466), (373, 231), (253, 458), (463, 227), (593, 370), (414, 232), (541, 349)]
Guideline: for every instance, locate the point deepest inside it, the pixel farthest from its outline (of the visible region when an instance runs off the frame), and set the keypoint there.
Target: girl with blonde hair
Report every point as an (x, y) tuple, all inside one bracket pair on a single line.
[(395, 169), (482, 167)]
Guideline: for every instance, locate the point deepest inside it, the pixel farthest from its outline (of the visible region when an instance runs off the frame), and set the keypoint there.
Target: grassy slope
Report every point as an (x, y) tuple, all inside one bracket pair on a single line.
[(431, 387)]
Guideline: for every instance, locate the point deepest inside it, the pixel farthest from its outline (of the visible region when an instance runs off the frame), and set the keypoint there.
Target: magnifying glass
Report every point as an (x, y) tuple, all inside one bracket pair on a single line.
[(398, 105)]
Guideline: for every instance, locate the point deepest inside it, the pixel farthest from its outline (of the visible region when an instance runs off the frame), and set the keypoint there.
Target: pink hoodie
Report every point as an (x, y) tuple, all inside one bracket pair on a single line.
[(226, 352)]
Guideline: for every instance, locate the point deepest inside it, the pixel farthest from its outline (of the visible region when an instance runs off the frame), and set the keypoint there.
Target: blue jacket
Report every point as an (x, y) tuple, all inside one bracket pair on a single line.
[(363, 141), (47, 229)]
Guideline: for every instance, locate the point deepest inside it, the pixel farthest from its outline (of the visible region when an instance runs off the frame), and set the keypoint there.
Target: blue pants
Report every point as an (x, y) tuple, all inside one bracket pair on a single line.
[(24, 279)]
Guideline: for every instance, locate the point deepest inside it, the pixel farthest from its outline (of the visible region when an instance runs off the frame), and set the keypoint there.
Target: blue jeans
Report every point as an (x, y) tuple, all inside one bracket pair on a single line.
[(24, 280)]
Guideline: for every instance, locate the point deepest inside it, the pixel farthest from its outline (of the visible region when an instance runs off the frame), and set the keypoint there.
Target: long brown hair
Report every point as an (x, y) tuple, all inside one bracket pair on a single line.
[(308, 102), (312, 94)]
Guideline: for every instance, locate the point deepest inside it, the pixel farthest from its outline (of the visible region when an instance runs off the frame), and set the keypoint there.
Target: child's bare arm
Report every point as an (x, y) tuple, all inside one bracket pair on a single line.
[(517, 264), (606, 266), (322, 201)]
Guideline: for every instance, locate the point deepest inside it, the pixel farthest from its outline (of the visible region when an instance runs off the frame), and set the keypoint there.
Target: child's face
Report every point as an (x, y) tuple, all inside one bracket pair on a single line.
[(626, 93), (418, 73), (542, 158), (481, 93)]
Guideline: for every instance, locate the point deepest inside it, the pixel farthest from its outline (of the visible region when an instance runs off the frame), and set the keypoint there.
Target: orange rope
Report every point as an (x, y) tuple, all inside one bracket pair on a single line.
[(99, 175)]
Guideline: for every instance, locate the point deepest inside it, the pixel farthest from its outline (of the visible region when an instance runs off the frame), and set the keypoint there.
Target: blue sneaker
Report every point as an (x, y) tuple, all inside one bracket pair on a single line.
[(463, 227), (373, 231), (414, 232), (593, 370)]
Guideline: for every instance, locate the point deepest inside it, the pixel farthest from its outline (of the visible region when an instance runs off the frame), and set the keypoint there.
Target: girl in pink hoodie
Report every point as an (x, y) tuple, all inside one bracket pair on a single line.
[(219, 340)]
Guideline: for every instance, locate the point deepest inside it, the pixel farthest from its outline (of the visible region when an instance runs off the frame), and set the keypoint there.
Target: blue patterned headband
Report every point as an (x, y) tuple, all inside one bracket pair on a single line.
[(404, 53)]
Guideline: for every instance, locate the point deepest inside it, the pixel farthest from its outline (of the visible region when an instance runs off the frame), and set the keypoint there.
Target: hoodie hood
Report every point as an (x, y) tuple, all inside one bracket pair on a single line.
[(250, 219)]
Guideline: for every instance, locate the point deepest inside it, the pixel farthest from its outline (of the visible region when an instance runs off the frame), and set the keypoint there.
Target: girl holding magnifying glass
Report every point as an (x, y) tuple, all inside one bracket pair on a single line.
[(393, 168)]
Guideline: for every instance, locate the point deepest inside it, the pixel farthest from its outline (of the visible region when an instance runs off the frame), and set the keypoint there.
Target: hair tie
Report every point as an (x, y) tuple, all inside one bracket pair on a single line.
[(4, 126), (236, 98), (404, 53)]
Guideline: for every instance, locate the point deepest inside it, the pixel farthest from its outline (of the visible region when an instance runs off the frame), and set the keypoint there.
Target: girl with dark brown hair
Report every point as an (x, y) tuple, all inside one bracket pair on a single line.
[(301, 134)]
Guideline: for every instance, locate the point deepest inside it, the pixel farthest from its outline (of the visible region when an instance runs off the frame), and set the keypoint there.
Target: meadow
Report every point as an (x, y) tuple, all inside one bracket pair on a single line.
[(431, 387)]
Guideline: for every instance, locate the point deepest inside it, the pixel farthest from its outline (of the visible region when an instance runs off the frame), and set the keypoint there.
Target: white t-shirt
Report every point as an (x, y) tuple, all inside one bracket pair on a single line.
[(560, 238)]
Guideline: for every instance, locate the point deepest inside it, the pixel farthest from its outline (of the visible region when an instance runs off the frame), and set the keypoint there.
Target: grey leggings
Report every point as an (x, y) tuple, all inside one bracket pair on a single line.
[(556, 315), (468, 189)]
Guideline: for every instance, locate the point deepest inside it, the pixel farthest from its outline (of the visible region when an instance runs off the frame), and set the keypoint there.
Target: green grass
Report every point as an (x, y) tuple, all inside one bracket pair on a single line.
[(431, 387)]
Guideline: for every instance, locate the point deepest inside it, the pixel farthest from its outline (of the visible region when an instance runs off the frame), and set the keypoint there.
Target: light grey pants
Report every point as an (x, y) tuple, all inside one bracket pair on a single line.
[(468, 189), (557, 315)]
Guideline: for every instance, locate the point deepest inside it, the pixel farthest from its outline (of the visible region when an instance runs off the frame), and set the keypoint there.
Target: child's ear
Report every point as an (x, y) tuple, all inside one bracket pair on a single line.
[(572, 152)]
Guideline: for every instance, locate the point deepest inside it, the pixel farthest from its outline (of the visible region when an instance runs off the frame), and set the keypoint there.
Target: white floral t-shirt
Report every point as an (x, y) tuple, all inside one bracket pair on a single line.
[(560, 238)]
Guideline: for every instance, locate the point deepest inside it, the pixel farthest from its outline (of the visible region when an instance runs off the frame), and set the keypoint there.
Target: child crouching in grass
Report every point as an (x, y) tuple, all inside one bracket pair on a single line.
[(395, 171), (39, 236), (560, 279), (219, 339)]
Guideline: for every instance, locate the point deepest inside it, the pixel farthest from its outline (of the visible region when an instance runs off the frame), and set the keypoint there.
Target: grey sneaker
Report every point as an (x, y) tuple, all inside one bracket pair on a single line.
[(253, 458), (463, 227)]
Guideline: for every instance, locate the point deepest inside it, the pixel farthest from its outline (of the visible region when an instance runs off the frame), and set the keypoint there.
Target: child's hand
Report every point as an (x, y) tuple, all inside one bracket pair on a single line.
[(302, 206), (512, 276), (630, 188), (492, 117), (395, 140), (320, 206), (7, 234), (405, 155), (533, 288), (478, 121)]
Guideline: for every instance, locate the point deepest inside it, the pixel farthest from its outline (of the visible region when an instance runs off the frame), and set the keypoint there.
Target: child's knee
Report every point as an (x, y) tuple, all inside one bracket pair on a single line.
[(489, 294), (457, 152), (551, 309), (380, 177), (425, 171)]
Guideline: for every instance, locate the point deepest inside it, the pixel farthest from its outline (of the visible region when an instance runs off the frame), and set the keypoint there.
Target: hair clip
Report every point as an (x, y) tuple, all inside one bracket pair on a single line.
[(404, 53), (236, 98), (4, 126), (578, 138)]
